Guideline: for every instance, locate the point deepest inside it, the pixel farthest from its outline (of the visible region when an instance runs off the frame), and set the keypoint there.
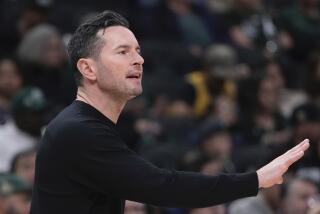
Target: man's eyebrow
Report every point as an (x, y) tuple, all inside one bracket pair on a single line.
[(126, 47)]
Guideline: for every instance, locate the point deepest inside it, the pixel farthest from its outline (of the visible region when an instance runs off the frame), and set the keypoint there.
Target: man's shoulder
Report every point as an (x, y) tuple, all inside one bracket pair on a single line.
[(70, 116), (75, 120)]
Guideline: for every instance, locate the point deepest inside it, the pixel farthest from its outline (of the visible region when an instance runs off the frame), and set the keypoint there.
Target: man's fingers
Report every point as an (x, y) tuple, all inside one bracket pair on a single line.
[(295, 153), (303, 146), (272, 173), (294, 157)]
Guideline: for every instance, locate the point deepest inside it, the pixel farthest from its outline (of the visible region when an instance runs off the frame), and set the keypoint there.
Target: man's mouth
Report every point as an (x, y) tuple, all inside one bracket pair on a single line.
[(134, 76)]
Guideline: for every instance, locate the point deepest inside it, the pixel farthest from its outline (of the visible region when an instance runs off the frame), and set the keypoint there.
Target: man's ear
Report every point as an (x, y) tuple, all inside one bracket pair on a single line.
[(87, 69)]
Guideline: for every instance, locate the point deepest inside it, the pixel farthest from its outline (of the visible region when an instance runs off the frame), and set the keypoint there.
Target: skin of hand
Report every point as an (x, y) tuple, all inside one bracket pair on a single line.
[(272, 173)]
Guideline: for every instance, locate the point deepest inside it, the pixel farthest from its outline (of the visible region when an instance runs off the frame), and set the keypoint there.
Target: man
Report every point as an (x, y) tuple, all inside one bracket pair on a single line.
[(83, 166), (23, 164), (23, 132), (10, 82), (300, 197), (268, 201), (15, 195)]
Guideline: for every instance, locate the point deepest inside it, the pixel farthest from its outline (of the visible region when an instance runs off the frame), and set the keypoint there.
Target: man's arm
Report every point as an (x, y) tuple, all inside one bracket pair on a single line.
[(272, 173), (100, 162), (106, 165)]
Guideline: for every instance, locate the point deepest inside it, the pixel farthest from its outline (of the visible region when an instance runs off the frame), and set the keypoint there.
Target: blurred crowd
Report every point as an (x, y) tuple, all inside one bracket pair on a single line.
[(228, 86)]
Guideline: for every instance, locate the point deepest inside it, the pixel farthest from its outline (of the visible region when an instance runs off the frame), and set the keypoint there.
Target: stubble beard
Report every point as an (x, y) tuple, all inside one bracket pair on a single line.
[(135, 93)]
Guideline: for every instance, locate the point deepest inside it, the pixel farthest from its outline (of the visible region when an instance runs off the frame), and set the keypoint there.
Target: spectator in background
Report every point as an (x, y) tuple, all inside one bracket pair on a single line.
[(10, 82), (263, 131), (299, 30), (218, 6), (43, 57), (193, 31), (216, 143), (15, 195), (305, 121), (265, 123), (29, 107), (178, 22), (19, 17), (224, 112), (289, 98), (252, 31), (211, 164), (210, 151), (312, 85), (152, 20), (133, 207), (268, 201), (43, 46), (168, 132), (220, 71), (213, 14), (23, 165), (208, 163), (298, 195), (23, 131), (301, 23), (33, 13)]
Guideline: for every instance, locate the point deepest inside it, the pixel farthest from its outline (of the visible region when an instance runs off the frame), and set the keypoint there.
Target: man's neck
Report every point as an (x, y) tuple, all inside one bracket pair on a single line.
[(108, 105)]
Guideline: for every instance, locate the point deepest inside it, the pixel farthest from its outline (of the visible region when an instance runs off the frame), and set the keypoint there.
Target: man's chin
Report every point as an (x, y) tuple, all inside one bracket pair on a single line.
[(135, 93)]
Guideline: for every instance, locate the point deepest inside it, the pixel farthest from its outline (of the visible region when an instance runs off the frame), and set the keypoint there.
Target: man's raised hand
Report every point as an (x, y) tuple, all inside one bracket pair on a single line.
[(272, 173)]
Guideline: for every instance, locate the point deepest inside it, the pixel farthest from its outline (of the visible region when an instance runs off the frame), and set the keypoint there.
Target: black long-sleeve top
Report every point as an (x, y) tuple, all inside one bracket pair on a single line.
[(84, 167)]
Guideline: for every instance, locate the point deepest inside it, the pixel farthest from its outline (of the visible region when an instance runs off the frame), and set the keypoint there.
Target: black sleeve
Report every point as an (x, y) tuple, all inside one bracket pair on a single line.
[(103, 163)]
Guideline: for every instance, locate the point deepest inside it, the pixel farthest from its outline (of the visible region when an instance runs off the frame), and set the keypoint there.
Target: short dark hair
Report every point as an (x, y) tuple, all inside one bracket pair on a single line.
[(86, 43)]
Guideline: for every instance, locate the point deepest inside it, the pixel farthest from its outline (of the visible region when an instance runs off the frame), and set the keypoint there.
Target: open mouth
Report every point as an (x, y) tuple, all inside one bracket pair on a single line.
[(134, 76)]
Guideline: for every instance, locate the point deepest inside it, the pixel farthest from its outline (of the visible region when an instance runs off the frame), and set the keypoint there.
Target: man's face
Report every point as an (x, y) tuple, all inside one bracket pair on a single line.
[(54, 55), (10, 80), (25, 167), (297, 200), (18, 203), (119, 65)]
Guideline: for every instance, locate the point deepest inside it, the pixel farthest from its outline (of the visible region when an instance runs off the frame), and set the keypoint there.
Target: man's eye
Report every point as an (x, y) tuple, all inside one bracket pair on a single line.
[(122, 52)]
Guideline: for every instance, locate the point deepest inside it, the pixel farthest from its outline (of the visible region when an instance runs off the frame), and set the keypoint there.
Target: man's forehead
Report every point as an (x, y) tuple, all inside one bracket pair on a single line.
[(117, 34), (103, 31)]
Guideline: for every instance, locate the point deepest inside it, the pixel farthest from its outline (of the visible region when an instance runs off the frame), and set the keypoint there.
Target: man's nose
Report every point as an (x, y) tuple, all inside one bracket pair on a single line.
[(138, 59)]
